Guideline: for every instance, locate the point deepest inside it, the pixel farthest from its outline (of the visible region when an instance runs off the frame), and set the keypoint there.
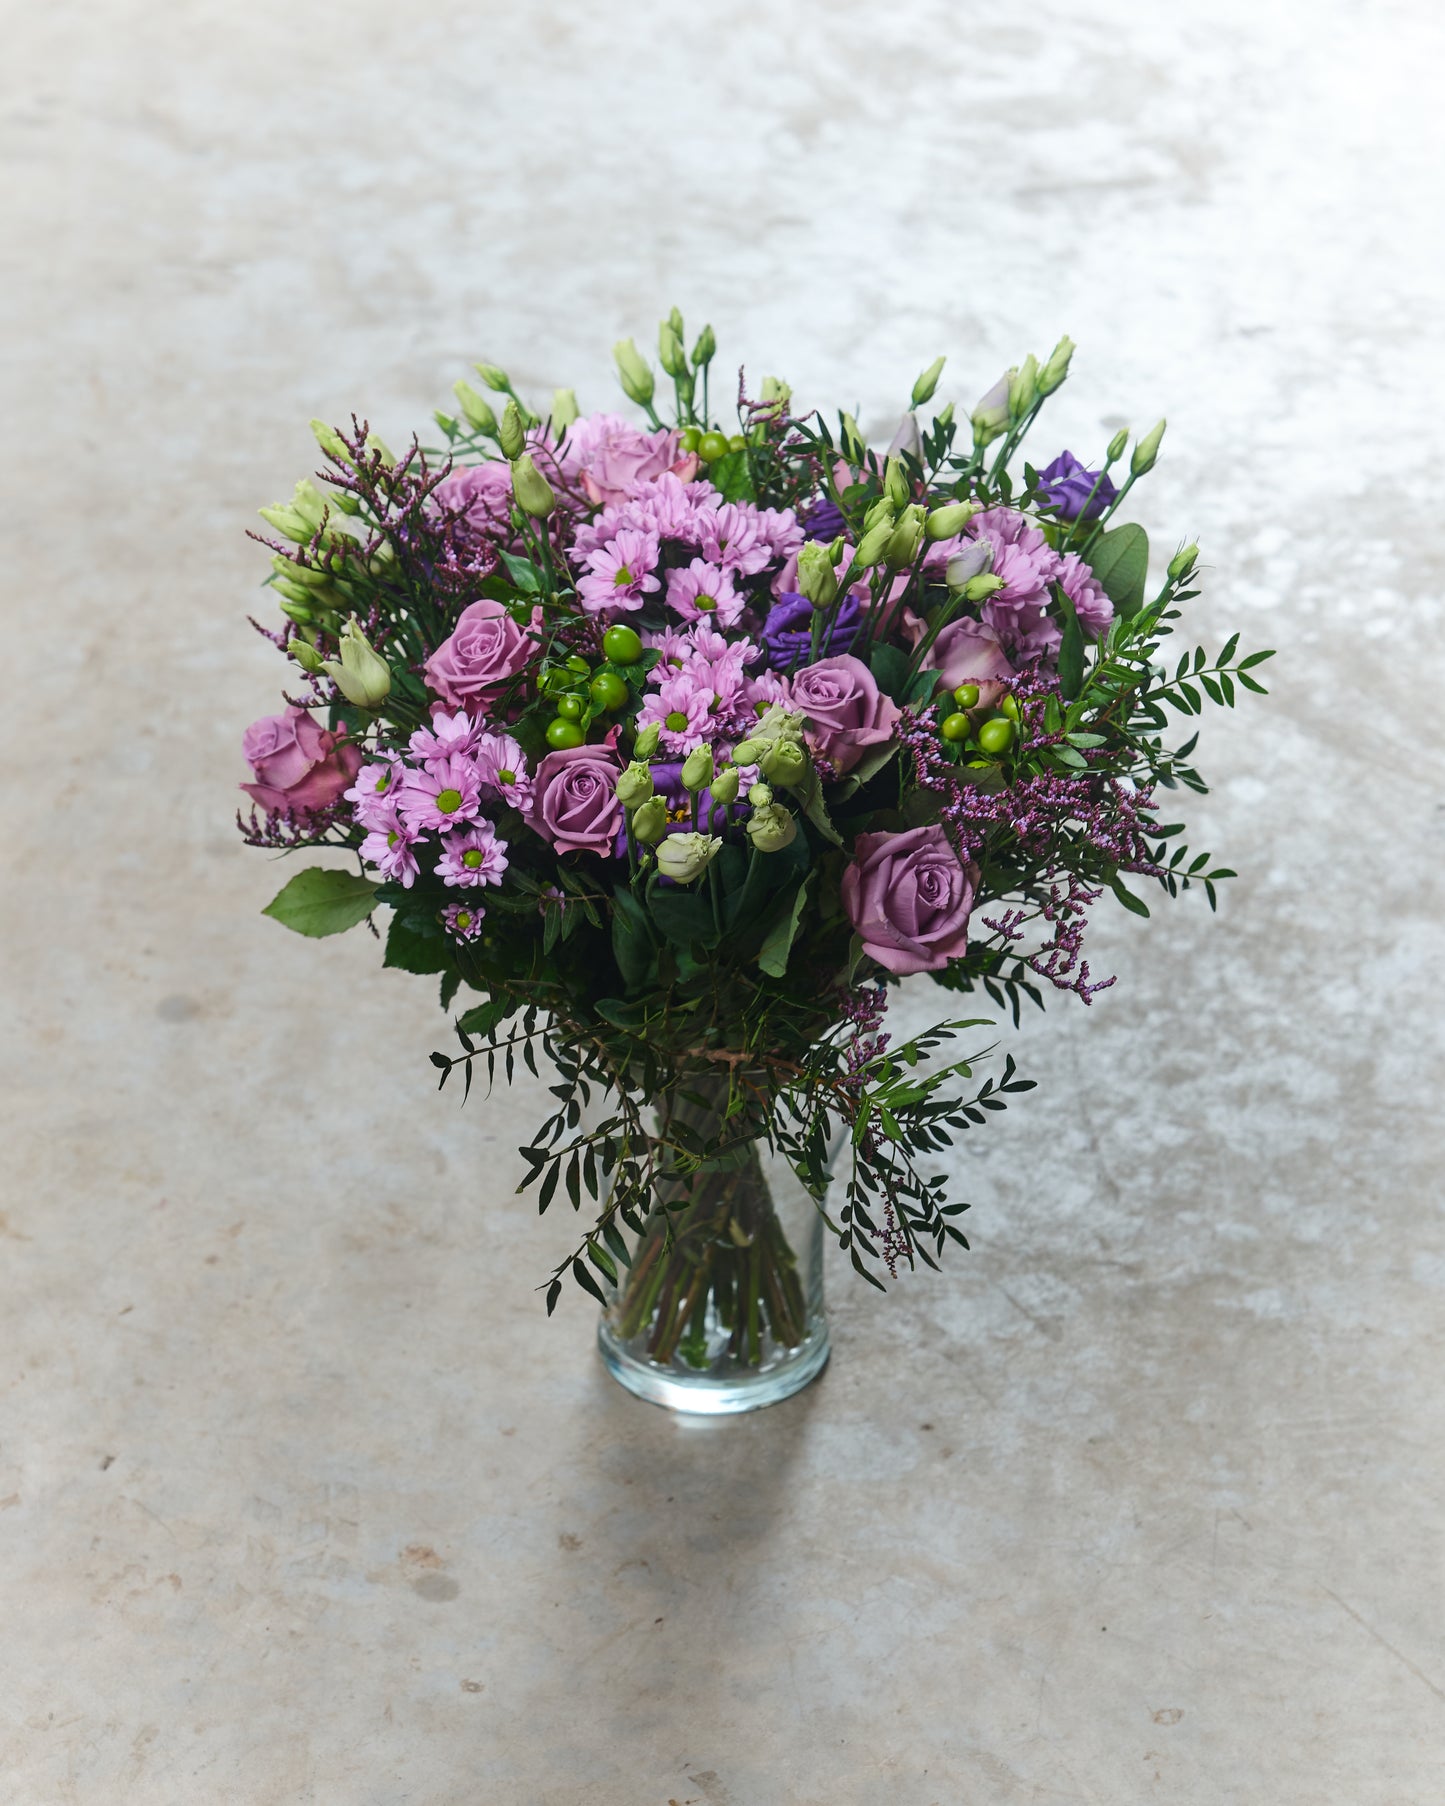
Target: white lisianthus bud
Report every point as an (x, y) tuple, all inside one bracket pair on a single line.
[(1145, 452), (685, 857), (476, 408), (772, 827), (1023, 388), (964, 566), (871, 545), (532, 490), (905, 539), (784, 762), (305, 655), (980, 588), (634, 786), (495, 378), (759, 795), (990, 413), (697, 769), (928, 382), (895, 485), (362, 675), (724, 787), (951, 518), (330, 441), (817, 580), (647, 741), (670, 353), (633, 373), (650, 821), (705, 350)]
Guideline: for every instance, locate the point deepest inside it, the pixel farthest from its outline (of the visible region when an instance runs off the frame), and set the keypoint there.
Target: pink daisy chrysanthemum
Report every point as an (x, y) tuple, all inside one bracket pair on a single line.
[(704, 591), (447, 735), (501, 768), (475, 856), (389, 848), (731, 537), (463, 920), (619, 574), (443, 794), (375, 790), (682, 710)]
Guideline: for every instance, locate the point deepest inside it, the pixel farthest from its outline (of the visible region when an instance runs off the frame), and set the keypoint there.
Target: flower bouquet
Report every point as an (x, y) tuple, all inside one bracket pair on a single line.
[(670, 748)]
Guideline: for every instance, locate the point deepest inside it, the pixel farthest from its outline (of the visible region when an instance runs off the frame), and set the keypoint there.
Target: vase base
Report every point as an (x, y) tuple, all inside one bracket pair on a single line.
[(710, 1394)]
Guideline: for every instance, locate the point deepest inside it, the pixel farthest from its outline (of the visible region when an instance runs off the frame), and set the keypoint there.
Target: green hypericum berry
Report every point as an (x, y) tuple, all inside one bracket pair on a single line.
[(710, 446), (578, 664), (1008, 705), (966, 696), (563, 734), (569, 708), (737, 443), (607, 691), (955, 727), (996, 736), (622, 645), (691, 437)]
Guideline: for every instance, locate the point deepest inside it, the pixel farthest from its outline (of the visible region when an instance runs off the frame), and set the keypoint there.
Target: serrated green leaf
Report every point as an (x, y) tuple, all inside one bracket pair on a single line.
[(318, 902)]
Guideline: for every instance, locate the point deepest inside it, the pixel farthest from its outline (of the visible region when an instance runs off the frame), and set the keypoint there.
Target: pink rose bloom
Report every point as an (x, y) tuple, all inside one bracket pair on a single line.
[(299, 765), (846, 709), (909, 899), (574, 800), (485, 649), (967, 652), (614, 460), (483, 494)]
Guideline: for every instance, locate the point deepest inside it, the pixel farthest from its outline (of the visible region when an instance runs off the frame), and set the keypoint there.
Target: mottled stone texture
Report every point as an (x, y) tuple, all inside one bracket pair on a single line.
[(301, 1497)]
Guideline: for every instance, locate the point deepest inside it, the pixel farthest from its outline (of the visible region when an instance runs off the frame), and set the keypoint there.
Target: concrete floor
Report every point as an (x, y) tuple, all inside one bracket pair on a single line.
[(301, 1497)]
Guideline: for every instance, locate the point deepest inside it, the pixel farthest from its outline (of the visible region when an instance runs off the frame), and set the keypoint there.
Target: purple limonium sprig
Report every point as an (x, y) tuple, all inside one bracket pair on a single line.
[(1073, 491), (788, 630)]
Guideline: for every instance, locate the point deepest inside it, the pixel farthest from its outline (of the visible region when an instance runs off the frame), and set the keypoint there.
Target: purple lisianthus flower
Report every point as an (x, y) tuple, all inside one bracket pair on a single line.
[(1065, 487), (824, 520), (788, 630)]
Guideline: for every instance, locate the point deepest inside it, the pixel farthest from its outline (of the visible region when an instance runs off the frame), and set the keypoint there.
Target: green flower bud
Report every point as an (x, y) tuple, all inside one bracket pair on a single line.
[(633, 373), (302, 613), (854, 444), (705, 349), (697, 769), (784, 762), (772, 827), (990, 415), (647, 741), (1146, 451), (496, 379), (903, 543), (950, 519), (331, 442), (980, 588), (288, 523), (747, 752), (674, 320), (778, 392), (760, 795), (1023, 388), (532, 490), (670, 353), (510, 434), (1182, 563), (1116, 445), (685, 857), (944, 417), (927, 382), (362, 676), (564, 409), (297, 593), (880, 510), (475, 407), (447, 422), (305, 655), (895, 485), (634, 786), (650, 822), (1057, 368), (871, 546), (725, 785), (817, 580)]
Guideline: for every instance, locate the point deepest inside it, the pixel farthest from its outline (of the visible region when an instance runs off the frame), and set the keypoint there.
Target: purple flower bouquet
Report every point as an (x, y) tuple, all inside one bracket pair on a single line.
[(669, 749)]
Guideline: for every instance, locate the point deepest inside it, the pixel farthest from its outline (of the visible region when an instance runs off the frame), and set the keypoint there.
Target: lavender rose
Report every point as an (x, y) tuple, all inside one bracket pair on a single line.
[(574, 800), (967, 652), (909, 898), (485, 649), (1065, 486), (483, 495), (299, 765), (847, 711), (613, 460)]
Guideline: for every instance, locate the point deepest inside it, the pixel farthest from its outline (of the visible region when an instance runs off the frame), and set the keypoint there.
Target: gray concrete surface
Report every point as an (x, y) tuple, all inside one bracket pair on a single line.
[(301, 1497)]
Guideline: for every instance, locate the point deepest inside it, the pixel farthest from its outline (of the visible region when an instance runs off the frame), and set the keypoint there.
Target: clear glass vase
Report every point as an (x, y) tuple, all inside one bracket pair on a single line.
[(721, 1309)]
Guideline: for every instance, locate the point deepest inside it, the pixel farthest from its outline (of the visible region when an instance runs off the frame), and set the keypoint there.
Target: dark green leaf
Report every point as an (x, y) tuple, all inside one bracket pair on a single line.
[(775, 949), (414, 944), (1071, 652), (1120, 560), (1135, 904), (731, 476)]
